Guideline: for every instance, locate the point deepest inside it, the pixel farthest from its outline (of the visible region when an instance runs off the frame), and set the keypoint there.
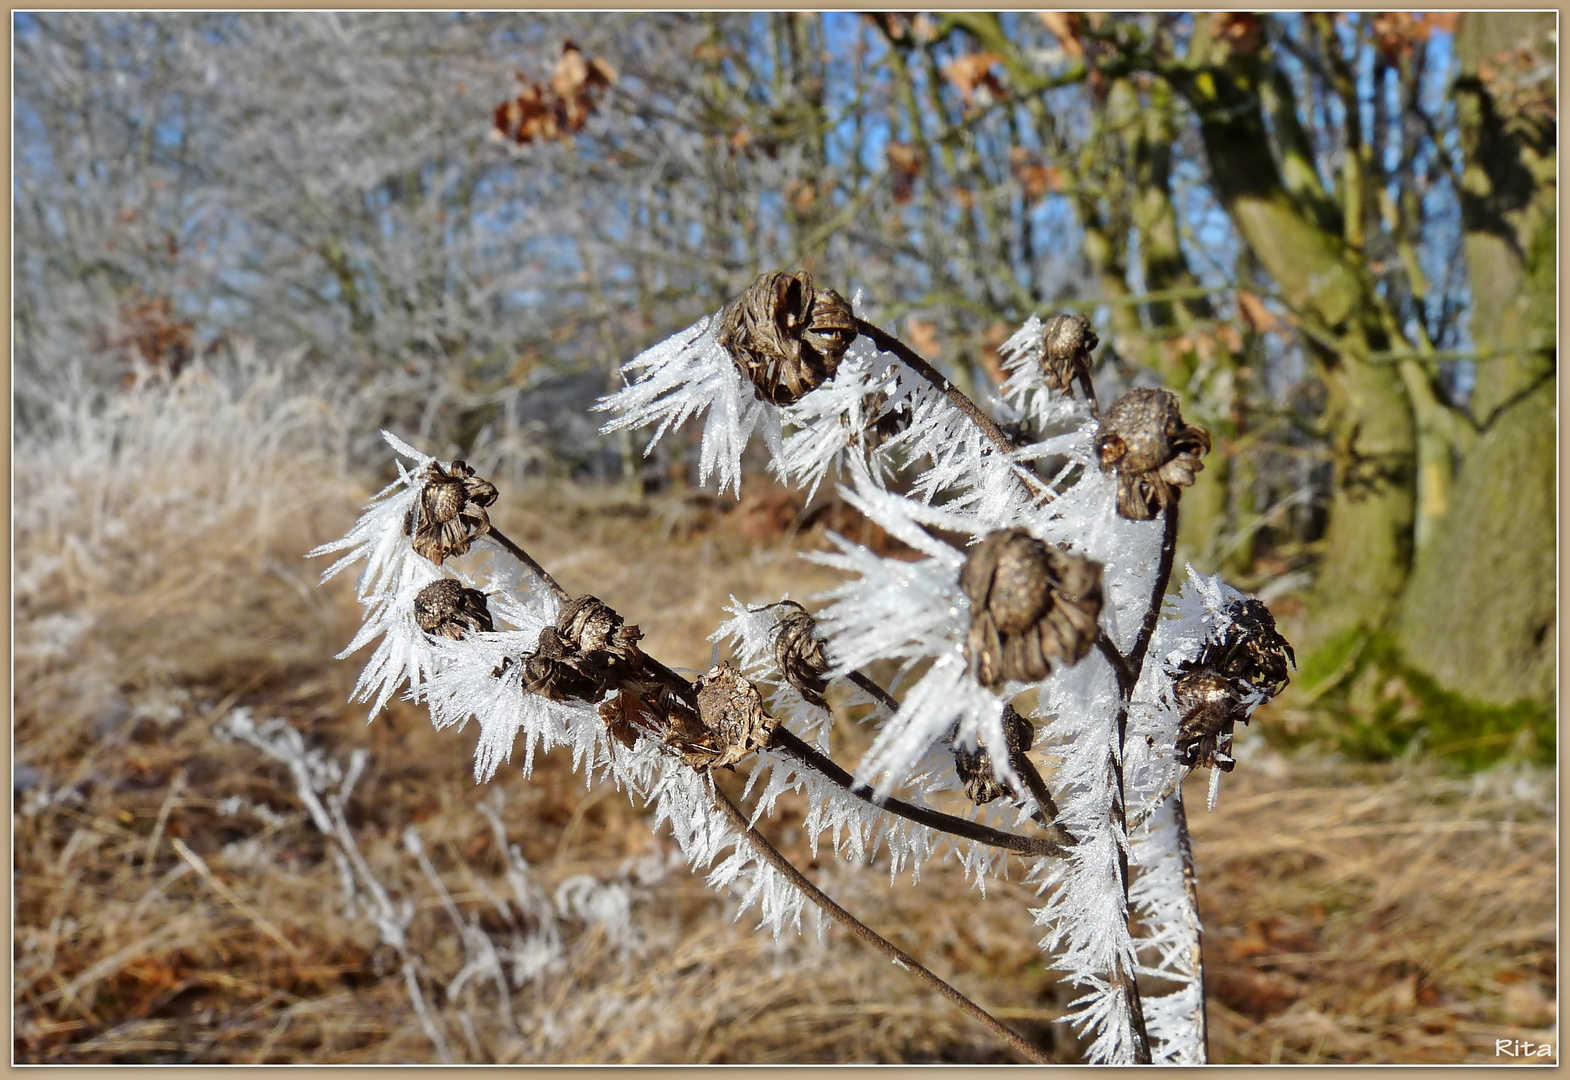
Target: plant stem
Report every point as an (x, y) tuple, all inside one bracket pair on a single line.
[(502, 541), (788, 742), (1136, 657), (1128, 678), (1046, 807), (1196, 952), (911, 359), (771, 855)]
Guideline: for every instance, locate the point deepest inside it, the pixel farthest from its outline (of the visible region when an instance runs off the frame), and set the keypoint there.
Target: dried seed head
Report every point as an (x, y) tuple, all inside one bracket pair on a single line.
[(1033, 607), (787, 336), (1154, 453), (446, 609), (588, 625), (450, 512), (552, 671), (799, 653), (734, 722), (1251, 649), (974, 764), (1212, 706), (1066, 344)]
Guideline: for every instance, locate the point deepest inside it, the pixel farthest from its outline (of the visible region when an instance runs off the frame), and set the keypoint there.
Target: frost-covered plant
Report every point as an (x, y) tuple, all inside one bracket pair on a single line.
[(1049, 712)]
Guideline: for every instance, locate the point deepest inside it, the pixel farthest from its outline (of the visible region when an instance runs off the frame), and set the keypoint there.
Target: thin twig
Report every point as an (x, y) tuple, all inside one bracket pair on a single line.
[(910, 358), (1128, 678), (788, 742), (1120, 666), (1046, 807), (771, 855), (506, 544), (884, 698), (1196, 956), (1136, 658)]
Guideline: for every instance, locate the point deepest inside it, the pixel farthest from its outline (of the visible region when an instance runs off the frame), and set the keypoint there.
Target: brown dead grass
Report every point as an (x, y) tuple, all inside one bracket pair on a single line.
[(1391, 915)]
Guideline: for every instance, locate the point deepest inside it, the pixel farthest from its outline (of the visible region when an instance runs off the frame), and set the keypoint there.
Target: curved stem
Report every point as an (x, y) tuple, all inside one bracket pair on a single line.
[(501, 540), (1136, 657), (1046, 807), (911, 359), (884, 698), (788, 742), (1128, 676), (865, 934)]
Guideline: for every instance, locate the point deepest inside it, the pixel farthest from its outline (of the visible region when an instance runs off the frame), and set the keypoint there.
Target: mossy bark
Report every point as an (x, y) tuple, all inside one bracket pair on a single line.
[(1479, 613), (1368, 544)]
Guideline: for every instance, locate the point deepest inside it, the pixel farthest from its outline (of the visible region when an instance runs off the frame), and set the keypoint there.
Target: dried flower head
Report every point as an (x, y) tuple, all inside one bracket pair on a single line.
[(447, 609), (1251, 649), (799, 653), (734, 723), (787, 336), (974, 764), (450, 513), (1066, 344), (1032, 607), (1212, 705), (553, 672), (588, 625), (1154, 453)]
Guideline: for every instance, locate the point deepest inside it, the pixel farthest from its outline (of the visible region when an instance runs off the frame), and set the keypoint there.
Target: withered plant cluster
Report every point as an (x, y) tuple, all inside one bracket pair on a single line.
[(1049, 697)]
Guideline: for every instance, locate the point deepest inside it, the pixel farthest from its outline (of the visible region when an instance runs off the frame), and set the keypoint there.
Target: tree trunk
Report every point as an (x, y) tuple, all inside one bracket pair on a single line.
[(1478, 616), (1368, 546)]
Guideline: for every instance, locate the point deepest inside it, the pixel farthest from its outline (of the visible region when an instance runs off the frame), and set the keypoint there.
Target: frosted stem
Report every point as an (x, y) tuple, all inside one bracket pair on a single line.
[(1196, 953), (865, 934), (956, 397), (788, 742)]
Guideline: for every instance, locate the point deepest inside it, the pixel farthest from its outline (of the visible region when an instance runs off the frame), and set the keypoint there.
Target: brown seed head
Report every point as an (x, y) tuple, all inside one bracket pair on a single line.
[(1251, 649), (447, 609), (1033, 607), (1143, 438), (734, 722), (974, 764), (450, 512), (787, 336), (1212, 706), (799, 653), (1066, 345), (588, 625)]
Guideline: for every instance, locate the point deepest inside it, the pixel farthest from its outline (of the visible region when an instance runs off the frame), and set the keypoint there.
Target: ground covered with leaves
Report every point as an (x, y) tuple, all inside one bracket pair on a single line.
[(177, 902)]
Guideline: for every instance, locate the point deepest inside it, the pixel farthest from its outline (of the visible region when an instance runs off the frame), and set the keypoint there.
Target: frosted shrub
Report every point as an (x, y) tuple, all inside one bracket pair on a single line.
[(1049, 706)]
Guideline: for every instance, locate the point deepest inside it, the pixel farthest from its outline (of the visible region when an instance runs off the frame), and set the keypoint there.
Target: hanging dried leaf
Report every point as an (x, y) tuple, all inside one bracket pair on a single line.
[(1065, 26), (906, 164), (558, 109), (972, 71)]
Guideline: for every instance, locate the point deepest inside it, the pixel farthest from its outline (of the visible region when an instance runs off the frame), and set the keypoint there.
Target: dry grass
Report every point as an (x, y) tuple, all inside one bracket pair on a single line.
[(175, 903)]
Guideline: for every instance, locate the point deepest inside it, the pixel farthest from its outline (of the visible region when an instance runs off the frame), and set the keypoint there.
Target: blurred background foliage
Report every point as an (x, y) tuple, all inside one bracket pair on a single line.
[(1333, 235)]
